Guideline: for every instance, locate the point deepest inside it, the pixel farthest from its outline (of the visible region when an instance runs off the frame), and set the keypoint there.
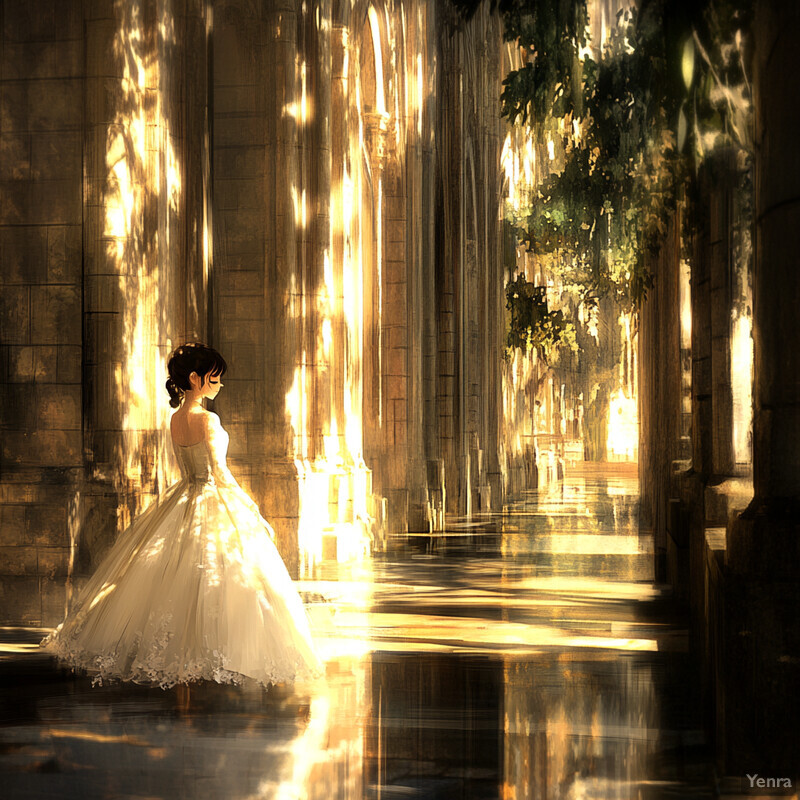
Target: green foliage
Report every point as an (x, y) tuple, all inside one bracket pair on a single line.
[(532, 324), (630, 128), (553, 81)]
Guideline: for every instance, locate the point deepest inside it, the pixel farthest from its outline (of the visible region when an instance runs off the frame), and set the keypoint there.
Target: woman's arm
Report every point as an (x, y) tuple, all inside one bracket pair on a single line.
[(216, 440)]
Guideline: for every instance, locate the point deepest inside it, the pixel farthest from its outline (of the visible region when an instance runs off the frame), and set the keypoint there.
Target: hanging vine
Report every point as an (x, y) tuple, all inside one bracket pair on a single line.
[(626, 131)]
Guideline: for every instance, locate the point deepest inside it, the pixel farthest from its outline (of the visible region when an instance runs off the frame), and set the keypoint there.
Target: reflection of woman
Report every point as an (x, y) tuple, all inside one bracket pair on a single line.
[(194, 589)]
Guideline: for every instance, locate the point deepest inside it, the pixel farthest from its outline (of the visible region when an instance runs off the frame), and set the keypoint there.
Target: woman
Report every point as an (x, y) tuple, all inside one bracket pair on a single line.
[(194, 589)]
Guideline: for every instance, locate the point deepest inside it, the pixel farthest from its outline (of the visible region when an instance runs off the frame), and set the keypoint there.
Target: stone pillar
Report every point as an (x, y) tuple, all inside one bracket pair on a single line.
[(776, 287), (281, 339), (190, 95), (344, 340), (103, 314), (423, 176), (659, 372), (776, 463), (495, 324), (460, 265), (415, 233), (388, 394), (41, 440), (492, 284), (702, 441), (367, 205), (719, 310), (419, 506), (448, 257), (101, 270), (762, 703), (319, 286), (143, 284)]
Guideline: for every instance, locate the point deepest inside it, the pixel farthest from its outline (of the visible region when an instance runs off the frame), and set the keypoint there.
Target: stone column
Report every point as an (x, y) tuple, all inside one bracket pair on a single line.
[(720, 318), (343, 339), (414, 230), (42, 98), (322, 290), (190, 96), (237, 211), (702, 442), (776, 289), (283, 283), (137, 216), (776, 286), (424, 29), (492, 292), (495, 320), (762, 703), (449, 265), (368, 225)]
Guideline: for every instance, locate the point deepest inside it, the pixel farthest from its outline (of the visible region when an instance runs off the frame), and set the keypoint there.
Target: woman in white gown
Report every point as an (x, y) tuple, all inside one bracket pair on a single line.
[(195, 588)]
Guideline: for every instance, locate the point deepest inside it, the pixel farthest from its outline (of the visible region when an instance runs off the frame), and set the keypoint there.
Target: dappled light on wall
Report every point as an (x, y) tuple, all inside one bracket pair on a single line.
[(623, 427), (343, 311), (142, 176), (623, 411), (742, 388)]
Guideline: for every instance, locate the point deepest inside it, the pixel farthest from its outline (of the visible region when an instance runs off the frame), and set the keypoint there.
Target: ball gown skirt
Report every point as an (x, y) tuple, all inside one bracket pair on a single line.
[(194, 589)]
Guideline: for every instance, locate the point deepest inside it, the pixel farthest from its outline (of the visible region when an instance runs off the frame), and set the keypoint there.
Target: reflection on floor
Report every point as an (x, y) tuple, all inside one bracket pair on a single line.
[(527, 655)]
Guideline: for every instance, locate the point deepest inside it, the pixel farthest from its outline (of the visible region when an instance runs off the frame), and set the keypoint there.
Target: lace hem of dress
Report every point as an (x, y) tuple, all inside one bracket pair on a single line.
[(150, 669)]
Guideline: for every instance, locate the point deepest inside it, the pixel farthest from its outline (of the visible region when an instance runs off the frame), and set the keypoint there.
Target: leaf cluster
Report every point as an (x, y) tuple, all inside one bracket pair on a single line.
[(550, 35), (532, 325), (624, 117)]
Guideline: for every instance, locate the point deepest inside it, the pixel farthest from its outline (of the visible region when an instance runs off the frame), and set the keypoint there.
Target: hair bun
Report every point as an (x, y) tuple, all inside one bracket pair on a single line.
[(175, 393)]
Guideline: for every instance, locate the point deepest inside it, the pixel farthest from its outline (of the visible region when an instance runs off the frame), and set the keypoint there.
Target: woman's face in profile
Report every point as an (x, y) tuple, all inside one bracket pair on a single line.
[(211, 386)]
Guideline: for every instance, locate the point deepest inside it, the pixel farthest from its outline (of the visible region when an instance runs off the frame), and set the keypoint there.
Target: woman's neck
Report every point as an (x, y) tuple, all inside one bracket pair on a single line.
[(191, 399)]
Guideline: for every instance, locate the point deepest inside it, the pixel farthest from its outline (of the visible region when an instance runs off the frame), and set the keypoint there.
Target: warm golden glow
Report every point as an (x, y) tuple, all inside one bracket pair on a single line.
[(19, 648), (327, 336), (686, 305), (623, 413), (141, 167), (379, 287), (103, 593), (420, 93), (518, 162), (304, 752), (313, 488), (296, 407), (459, 634), (591, 316), (91, 736), (383, 103), (374, 26), (742, 388), (623, 427)]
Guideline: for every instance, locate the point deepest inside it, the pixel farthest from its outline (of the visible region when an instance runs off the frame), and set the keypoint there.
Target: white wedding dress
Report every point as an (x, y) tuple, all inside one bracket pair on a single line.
[(193, 590)]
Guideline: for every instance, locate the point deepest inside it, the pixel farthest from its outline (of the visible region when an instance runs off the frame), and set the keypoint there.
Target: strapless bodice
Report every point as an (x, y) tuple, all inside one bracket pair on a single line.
[(201, 462)]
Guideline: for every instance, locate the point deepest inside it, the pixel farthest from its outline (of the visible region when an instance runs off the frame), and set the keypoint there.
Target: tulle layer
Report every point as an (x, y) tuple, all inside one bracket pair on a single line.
[(193, 590)]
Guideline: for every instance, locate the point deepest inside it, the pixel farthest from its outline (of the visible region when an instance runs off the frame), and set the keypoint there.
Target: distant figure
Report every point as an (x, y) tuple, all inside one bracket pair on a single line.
[(195, 588)]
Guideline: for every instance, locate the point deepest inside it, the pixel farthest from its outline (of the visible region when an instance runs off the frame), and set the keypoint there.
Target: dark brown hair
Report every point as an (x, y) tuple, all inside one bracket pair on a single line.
[(188, 358)]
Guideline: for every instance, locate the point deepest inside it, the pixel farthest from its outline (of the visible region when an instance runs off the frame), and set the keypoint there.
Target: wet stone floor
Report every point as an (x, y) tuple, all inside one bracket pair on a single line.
[(527, 655)]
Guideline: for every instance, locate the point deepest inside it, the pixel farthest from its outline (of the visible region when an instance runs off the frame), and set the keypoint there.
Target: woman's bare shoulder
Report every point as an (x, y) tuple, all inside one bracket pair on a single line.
[(191, 426), (208, 419)]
